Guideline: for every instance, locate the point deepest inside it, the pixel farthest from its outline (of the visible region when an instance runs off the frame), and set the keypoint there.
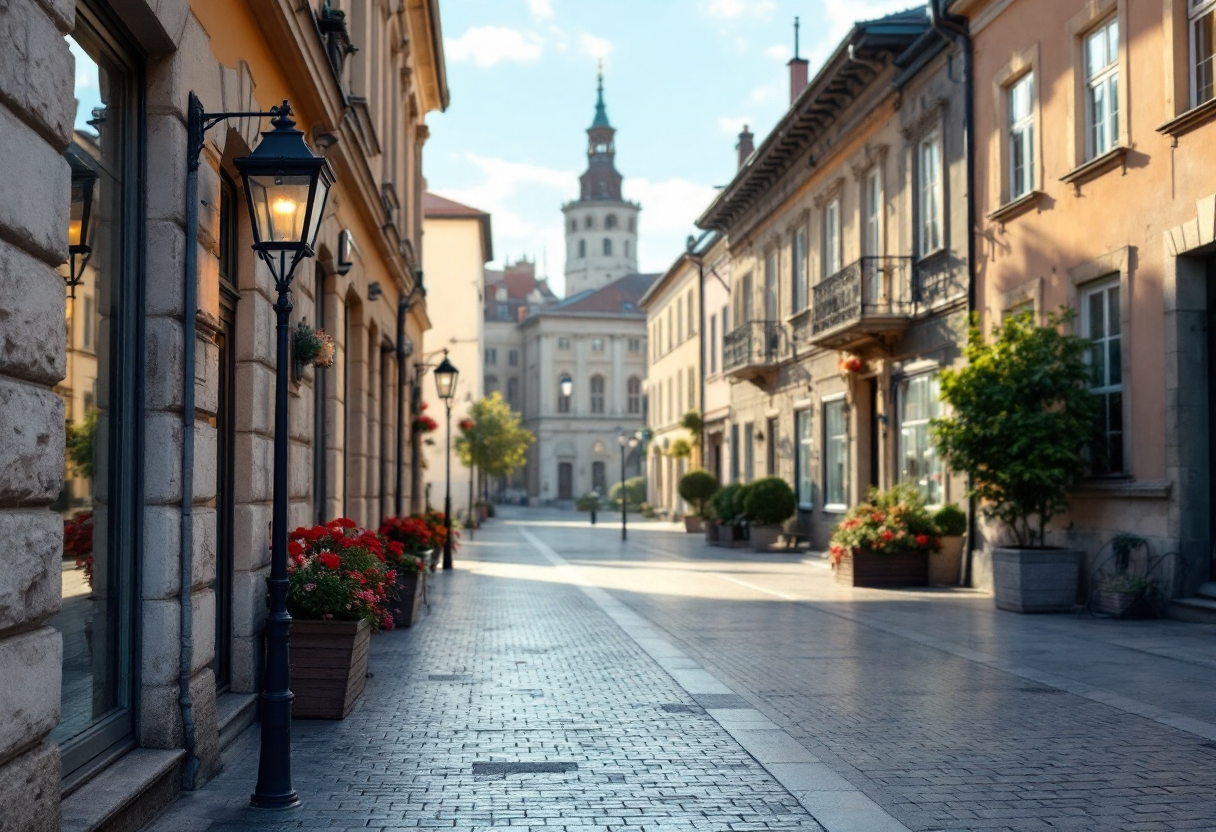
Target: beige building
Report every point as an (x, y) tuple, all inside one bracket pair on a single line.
[(713, 256), (107, 705), (848, 239), (458, 246)]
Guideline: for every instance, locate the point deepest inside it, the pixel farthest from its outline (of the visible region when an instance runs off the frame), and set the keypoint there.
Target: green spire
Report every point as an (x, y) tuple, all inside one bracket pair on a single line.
[(601, 114)]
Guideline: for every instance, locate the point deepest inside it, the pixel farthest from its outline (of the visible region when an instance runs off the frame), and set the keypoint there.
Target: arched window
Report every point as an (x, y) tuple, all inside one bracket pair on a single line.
[(631, 224), (589, 222), (491, 384), (597, 394), (608, 246), (563, 402), (574, 225), (610, 221), (634, 390), (626, 248), (582, 248)]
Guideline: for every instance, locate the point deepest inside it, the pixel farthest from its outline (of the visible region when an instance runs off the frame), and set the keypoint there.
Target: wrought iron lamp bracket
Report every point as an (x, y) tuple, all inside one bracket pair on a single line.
[(198, 122)]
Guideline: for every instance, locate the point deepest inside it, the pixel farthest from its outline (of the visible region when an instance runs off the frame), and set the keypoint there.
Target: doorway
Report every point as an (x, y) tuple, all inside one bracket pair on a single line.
[(565, 481)]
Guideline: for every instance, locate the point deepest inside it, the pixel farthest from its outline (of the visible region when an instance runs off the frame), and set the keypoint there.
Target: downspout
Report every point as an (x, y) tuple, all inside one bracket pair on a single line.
[(186, 576), (403, 308), (701, 329), (955, 29)]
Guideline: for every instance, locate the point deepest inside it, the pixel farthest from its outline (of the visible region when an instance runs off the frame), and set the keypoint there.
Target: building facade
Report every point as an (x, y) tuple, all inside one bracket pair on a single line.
[(713, 257), (131, 606), (848, 273), (458, 246)]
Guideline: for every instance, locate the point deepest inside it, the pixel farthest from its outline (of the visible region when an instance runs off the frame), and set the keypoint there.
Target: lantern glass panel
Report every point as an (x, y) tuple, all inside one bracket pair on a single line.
[(319, 195), (280, 204)]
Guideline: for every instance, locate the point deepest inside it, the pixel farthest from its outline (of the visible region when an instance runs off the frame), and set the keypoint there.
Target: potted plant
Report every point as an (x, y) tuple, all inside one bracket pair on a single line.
[(408, 549), (696, 487), (1125, 595), (946, 564), (740, 528), (1022, 419), (337, 595), (310, 348), (885, 541), (769, 502), (720, 507)]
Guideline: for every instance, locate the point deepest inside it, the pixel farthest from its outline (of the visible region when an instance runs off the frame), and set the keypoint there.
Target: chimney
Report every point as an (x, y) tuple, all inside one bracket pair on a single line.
[(745, 146), (798, 69)]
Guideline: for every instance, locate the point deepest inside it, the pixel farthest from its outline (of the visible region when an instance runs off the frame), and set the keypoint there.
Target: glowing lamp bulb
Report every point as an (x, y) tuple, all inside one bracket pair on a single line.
[(283, 206)]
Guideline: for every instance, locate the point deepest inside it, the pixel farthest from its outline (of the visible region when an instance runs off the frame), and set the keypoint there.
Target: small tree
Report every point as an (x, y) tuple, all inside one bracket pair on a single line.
[(680, 449), (769, 501), (635, 491), (695, 425), (494, 442), (1022, 417), (697, 487)]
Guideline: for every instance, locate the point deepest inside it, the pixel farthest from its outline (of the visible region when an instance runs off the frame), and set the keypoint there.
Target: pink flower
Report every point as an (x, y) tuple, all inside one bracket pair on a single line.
[(309, 587)]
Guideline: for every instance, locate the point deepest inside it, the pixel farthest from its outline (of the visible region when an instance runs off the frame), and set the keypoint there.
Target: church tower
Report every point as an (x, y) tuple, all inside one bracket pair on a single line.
[(601, 227)]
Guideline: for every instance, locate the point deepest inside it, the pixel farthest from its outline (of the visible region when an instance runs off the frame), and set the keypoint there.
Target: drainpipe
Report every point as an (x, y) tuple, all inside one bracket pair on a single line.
[(955, 29), (403, 308)]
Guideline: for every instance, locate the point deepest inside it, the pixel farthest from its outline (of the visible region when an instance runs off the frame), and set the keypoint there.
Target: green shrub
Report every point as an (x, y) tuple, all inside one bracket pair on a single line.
[(697, 487), (635, 489), (722, 504), (680, 449), (588, 502), (951, 521), (738, 505), (769, 501)]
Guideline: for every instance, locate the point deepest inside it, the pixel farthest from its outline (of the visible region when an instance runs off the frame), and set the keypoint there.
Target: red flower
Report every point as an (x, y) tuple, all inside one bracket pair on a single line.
[(467, 424), (330, 560), (887, 535), (922, 540), (295, 548)]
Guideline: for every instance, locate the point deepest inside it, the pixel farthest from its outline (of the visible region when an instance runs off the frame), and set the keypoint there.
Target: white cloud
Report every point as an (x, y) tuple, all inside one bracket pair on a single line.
[(541, 9), (594, 46), (766, 93), (778, 52), (731, 125), (487, 45), (669, 209), (733, 9)]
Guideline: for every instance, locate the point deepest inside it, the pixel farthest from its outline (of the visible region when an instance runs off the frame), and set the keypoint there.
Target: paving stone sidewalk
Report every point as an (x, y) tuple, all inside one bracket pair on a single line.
[(507, 670)]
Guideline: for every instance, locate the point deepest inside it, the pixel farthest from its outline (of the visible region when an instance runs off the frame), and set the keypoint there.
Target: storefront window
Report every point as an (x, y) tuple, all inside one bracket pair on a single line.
[(919, 402), (96, 502)]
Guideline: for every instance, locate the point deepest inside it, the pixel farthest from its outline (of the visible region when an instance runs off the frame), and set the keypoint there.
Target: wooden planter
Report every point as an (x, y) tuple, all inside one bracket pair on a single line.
[(883, 569), (693, 523), (409, 597), (764, 538), (328, 667)]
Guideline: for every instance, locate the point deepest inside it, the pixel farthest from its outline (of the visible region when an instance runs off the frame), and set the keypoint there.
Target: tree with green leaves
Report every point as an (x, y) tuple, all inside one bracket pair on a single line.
[(492, 438), (1022, 420), (80, 443)]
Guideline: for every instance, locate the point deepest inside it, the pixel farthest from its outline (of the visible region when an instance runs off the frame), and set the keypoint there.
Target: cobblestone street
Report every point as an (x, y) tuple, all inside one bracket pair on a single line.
[(659, 684)]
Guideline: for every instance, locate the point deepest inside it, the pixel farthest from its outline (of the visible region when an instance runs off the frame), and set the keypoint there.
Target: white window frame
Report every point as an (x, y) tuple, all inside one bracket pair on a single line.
[(1106, 79), (634, 345), (804, 476), (798, 271), (871, 200), (1197, 11), (838, 441), (934, 469), (633, 393), (930, 196), (1110, 345), (597, 398), (1021, 130), (713, 345), (833, 250)]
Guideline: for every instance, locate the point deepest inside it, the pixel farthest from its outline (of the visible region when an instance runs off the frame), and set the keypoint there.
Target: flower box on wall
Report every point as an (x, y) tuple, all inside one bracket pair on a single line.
[(883, 569), (328, 667)]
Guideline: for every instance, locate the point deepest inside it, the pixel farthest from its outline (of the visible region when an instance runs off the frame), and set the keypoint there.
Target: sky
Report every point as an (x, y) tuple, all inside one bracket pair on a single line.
[(681, 78)]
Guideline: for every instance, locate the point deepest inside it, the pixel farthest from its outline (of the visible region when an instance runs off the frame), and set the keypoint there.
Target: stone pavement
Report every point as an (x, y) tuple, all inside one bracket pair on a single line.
[(705, 689)]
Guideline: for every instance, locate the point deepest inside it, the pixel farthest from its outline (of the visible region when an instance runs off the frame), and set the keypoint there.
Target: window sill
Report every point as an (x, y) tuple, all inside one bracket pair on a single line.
[(1096, 167), (835, 508), (1188, 121), (929, 258), (1016, 207), (1124, 488)]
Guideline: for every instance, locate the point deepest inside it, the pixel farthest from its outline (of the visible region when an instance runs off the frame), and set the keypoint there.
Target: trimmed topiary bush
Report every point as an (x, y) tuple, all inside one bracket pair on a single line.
[(697, 487), (635, 489), (588, 502), (951, 521), (769, 502), (723, 503), (739, 503)]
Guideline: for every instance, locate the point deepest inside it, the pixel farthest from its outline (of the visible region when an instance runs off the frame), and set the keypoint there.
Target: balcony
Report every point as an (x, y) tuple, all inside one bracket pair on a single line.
[(752, 351), (869, 300)]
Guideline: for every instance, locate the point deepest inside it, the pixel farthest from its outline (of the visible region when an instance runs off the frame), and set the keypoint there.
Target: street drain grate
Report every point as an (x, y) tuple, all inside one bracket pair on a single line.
[(721, 700), (683, 709), (524, 768), (1052, 691), (449, 677)]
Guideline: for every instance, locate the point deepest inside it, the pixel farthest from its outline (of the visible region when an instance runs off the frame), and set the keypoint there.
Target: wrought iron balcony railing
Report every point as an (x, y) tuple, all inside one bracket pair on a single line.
[(869, 288), (754, 344)]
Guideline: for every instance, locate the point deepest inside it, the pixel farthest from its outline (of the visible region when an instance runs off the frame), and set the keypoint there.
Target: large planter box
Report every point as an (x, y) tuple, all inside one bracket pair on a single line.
[(764, 537), (946, 566), (410, 586), (1035, 580), (883, 569), (693, 523), (328, 667), (711, 533)]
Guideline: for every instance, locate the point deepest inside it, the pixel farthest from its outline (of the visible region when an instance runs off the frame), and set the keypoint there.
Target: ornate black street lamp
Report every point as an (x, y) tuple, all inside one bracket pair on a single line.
[(445, 384), (626, 441), (286, 186), (80, 218)]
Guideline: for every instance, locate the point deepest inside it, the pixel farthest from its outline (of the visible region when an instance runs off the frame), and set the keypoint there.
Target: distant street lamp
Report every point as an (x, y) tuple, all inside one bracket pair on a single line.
[(445, 383), (625, 441), (566, 384), (80, 244)]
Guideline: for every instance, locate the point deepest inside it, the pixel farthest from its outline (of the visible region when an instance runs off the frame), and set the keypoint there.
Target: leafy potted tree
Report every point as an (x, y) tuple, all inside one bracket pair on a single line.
[(1022, 418), (885, 541), (696, 487), (769, 502), (946, 564)]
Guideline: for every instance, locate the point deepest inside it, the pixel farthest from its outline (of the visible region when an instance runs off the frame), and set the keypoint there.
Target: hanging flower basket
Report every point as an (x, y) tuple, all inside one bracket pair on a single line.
[(310, 348), (851, 364)]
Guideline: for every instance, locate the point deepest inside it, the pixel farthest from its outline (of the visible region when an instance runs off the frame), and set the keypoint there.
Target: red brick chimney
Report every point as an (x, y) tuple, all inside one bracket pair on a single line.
[(798, 69), (745, 145)]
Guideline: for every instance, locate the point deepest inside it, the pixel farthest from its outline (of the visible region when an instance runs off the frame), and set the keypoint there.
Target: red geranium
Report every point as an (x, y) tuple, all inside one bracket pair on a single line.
[(338, 572), (329, 560), (78, 542), (466, 424), (424, 424)]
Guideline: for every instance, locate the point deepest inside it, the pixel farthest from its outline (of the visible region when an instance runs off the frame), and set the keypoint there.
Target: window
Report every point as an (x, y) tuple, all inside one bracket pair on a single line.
[(930, 198), (1101, 325), (491, 384), (491, 356), (770, 286), (626, 244), (692, 390), (670, 330), (599, 478), (589, 222), (745, 302), (631, 224), (563, 343), (804, 482), (871, 200), (771, 448), (749, 452), (597, 344), (1026, 307), (721, 346), (607, 247), (1021, 137), (670, 400), (713, 345), (832, 255), (1102, 88), (1203, 50), (513, 358), (635, 345), (692, 326), (734, 453), (86, 333), (597, 394), (582, 248), (610, 221), (633, 390), (563, 402), (512, 392), (836, 455), (679, 322), (798, 273), (573, 225), (920, 401)]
